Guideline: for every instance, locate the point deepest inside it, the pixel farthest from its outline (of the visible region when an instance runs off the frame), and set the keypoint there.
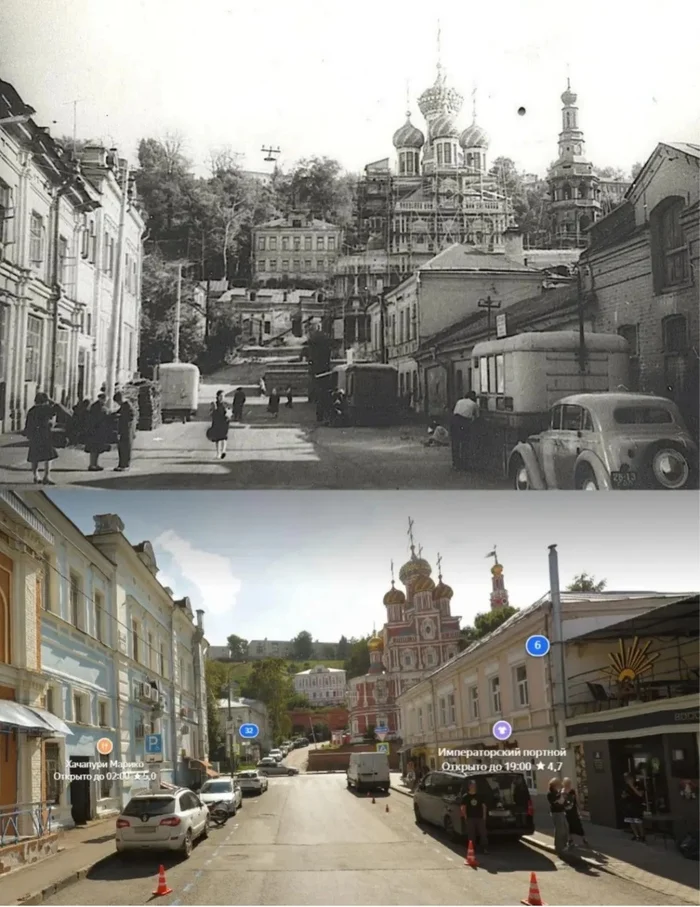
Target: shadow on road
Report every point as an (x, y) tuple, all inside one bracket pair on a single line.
[(136, 865)]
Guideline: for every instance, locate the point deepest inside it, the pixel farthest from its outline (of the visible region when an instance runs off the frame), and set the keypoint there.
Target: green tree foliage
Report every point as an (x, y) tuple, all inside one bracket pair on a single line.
[(217, 676), (530, 203), (343, 648), (270, 683), (585, 582), (238, 647), (636, 170), (317, 185), (484, 624), (298, 701), (303, 645), (357, 662), (167, 187)]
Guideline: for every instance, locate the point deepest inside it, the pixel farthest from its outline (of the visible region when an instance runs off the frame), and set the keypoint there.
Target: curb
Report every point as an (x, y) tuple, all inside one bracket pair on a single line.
[(38, 897), (400, 790)]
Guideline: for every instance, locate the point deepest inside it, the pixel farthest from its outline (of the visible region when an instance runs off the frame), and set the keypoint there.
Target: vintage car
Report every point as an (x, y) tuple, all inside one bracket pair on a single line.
[(608, 441)]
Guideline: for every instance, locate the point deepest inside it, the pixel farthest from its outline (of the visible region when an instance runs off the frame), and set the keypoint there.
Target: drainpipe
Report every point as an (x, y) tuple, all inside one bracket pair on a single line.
[(558, 662), (60, 192), (433, 698)]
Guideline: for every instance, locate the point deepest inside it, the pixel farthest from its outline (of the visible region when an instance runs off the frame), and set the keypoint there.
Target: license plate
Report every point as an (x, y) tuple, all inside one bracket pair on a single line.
[(500, 813), (145, 831), (623, 479)]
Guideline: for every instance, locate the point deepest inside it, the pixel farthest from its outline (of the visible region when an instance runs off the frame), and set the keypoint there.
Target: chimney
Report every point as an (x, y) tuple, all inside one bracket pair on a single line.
[(106, 523), (513, 242), (200, 618), (93, 156)]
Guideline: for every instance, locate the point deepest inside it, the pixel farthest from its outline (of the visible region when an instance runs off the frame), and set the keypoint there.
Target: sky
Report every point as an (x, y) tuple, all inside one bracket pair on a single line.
[(318, 78), (269, 564)]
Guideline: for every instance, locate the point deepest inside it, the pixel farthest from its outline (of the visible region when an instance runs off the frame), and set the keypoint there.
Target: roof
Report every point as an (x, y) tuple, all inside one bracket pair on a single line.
[(684, 147), (307, 224), (464, 258), (676, 618), (320, 669), (610, 399)]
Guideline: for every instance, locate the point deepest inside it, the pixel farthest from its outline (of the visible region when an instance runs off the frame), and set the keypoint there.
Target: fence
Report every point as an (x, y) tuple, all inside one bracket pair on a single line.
[(26, 820)]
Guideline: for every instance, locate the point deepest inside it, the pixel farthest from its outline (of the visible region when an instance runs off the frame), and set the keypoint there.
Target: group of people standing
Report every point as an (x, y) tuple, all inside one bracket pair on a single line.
[(90, 425), (563, 807)]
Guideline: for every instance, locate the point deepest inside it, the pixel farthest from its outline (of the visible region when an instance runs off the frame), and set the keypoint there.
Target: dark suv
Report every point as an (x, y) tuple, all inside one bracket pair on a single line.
[(438, 800)]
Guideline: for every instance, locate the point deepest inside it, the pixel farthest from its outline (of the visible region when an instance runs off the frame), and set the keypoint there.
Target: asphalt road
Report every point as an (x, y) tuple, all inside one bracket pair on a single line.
[(308, 840)]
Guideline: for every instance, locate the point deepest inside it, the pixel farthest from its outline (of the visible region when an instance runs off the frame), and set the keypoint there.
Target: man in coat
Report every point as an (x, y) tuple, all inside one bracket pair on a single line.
[(125, 421)]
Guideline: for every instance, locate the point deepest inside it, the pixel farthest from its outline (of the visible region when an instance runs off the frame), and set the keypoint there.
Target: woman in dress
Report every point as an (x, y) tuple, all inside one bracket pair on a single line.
[(98, 432), (572, 813), (38, 431), (633, 807), (220, 421), (557, 809), (273, 406)]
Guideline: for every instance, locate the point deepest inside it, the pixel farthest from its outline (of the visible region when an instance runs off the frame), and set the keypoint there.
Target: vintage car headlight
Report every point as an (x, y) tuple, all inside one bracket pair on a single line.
[(670, 468)]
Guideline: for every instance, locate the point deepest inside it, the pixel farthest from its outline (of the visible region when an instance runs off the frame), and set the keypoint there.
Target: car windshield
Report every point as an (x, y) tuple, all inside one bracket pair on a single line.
[(642, 415), (151, 806), (217, 787), (247, 775)]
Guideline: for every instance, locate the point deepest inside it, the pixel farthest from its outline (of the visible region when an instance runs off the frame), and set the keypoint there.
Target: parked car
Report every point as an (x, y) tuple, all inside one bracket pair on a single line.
[(368, 771), (252, 782), (226, 791), (438, 799), (276, 754), (608, 441), (171, 820), (269, 766)]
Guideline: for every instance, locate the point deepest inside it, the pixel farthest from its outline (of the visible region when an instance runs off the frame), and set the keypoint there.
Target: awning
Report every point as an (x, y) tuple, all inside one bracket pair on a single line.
[(21, 716), (201, 764), (59, 727)]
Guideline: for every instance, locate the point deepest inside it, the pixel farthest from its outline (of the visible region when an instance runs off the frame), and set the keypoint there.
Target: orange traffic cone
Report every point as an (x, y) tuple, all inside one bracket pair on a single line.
[(386, 808), (373, 800), (162, 888), (534, 899), (470, 859)]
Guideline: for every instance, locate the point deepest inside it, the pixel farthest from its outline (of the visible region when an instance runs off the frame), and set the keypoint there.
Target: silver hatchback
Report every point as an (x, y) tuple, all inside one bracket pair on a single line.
[(162, 820)]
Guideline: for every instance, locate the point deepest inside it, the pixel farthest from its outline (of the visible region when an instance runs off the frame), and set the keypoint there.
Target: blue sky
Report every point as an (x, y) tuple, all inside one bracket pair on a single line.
[(331, 78), (270, 564)]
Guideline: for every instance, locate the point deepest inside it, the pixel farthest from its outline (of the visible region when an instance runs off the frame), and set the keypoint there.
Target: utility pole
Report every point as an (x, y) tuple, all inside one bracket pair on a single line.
[(116, 326), (581, 326), (488, 304), (178, 313)]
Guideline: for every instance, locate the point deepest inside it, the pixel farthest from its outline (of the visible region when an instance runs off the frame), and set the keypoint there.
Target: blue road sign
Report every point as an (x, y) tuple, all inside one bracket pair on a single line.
[(154, 743), (249, 731), (537, 646)]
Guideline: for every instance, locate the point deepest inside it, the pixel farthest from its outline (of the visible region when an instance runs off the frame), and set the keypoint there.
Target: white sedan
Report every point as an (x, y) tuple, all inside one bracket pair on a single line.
[(226, 791), (252, 782)]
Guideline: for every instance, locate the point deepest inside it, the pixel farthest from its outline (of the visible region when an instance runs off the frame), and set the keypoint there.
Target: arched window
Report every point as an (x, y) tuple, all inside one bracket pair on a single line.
[(566, 190), (583, 191), (669, 248)]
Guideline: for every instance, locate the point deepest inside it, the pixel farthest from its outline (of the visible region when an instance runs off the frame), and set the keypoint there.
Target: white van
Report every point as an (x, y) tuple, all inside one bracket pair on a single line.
[(368, 771)]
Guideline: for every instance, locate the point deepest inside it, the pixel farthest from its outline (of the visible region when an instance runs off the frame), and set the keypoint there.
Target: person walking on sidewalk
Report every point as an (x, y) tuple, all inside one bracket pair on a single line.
[(239, 399), (557, 808), (220, 423), (273, 406), (633, 807), (290, 400), (38, 430), (475, 812), (98, 434), (125, 427), (466, 411), (572, 813)]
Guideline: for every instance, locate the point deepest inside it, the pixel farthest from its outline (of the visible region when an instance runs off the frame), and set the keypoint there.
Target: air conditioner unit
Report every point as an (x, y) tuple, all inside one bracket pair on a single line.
[(183, 712)]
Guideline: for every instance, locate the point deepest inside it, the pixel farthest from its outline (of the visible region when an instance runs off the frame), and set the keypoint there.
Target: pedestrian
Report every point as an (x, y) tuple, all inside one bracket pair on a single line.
[(239, 399), (474, 811), (572, 813), (218, 430), (98, 432), (78, 422), (38, 430), (438, 436), (557, 808), (289, 402), (273, 405), (466, 411), (125, 427), (633, 807)]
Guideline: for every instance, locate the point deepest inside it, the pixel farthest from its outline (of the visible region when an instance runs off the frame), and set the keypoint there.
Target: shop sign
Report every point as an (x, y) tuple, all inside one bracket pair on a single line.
[(633, 723)]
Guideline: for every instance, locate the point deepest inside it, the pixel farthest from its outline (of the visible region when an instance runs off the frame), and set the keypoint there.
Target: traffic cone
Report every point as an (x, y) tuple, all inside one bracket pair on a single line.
[(162, 888), (534, 899), (386, 808), (470, 859), (373, 800)]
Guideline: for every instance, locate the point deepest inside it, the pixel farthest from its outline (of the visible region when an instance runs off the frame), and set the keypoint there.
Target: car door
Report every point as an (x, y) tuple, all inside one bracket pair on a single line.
[(434, 808), (569, 445), (550, 442)]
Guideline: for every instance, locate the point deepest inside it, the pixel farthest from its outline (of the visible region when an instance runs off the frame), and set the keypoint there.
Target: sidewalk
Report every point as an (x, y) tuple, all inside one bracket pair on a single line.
[(78, 851), (665, 871)]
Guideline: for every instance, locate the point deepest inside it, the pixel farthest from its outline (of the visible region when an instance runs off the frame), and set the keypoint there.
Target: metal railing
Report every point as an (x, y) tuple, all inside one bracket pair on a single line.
[(25, 821)]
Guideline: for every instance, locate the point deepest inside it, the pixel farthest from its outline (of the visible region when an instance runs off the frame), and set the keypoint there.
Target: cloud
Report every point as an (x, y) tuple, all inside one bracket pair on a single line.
[(211, 574)]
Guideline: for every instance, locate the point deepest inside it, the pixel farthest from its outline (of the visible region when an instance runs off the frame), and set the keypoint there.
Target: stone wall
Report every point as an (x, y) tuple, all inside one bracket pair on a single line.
[(338, 759), (17, 856)]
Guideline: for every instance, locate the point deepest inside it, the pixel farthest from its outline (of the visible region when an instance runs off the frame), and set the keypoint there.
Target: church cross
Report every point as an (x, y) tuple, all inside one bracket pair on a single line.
[(439, 564), (474, 103), (410, 536), (420, 551), (392, 573)]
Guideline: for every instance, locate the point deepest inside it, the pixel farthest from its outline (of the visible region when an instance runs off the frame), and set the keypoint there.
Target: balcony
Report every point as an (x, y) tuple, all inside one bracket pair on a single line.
[(652, 658)]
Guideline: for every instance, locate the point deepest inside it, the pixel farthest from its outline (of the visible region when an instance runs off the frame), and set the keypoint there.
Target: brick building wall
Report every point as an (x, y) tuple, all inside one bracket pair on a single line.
[(336, 718)]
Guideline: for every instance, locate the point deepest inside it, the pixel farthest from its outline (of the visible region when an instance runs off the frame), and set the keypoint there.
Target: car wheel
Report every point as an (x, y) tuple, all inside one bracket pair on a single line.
[(668, 466), (290, 772), (586, 480), (187, 845), (416, 813), (519, 475)]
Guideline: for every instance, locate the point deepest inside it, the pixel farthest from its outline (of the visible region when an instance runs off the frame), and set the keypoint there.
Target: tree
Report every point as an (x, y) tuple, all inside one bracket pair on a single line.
[(238, 647), (584, 582), (303, 645), (484, 624), (636, 170), (610, 173), (357, 662), (217, 676), (270, 683), (343, 649), (298, 701), (319, 186)]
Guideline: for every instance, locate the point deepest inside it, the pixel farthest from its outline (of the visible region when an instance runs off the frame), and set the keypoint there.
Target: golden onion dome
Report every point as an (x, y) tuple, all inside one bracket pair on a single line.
[(423, 584), (497, 570), (442, 591), (415, 567), (375, 644), (394, 596)]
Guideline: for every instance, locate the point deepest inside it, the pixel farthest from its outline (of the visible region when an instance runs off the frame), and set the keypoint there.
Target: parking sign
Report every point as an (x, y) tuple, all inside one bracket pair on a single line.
[(154, 747)]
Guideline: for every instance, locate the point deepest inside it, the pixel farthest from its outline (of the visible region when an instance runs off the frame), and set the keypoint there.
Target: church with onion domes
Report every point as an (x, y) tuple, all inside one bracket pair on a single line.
[(420, 634)]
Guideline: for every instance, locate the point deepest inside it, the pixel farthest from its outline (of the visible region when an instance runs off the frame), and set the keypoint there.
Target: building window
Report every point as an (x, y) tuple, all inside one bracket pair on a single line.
[(307, 264), (273, 244), (297, 243), (670, 259), (495, 690), (100, 621), (331, 243), (451, 709), (36, 238), (285, 242), (297, 266), (62, 258), (103, 713), (77, 603), (261, 264), (32, 355), (62, 357), (92, 243), (151, 655), (675, 347), (135, 640), (79, 709), (320, 243), (161, 664), (431, 722), (442, 705), (52, 772), (307, 243), (420, 720), (50, 700), (520, 683), (5, 212), (273, 264), (261, 243), (267, 327), (474, 703), (630, 332)]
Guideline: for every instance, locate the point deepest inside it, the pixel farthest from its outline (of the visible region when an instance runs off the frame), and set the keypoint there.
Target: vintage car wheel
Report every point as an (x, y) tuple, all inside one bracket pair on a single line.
[(586, 480), (519, 474), (668, 466)]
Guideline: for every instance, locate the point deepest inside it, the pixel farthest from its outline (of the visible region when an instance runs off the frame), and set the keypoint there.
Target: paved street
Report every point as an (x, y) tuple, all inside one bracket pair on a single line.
[(292, 451), (310, 841)]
